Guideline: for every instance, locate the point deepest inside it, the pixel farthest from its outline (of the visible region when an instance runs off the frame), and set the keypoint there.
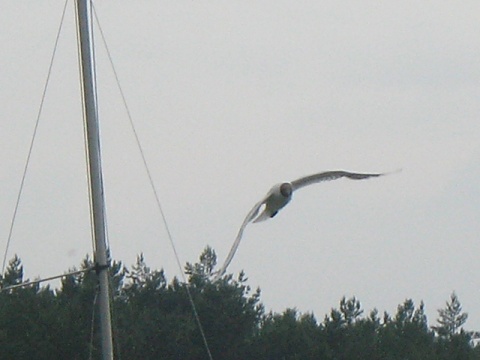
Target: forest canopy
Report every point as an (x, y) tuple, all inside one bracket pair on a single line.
[(153, 319)]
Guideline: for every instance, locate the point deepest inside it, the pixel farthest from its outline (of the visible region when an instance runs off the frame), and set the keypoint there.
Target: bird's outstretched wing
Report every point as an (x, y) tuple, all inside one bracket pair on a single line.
[(250, 216), (299, 183), (330, 175)]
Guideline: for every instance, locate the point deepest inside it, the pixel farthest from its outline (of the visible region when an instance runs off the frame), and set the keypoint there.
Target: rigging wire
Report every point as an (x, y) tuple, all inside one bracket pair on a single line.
[(152, 184), (34, 282), (37, 121)]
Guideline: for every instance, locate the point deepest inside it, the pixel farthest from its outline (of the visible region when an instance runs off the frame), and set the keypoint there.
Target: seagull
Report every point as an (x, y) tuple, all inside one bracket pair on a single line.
[(279, 196)]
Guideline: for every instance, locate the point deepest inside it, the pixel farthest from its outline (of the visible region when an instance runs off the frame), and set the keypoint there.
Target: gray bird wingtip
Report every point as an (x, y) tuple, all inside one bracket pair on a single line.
[(393, 172)]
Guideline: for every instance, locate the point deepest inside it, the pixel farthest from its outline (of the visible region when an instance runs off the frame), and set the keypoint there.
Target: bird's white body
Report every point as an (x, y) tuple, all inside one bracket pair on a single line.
[(273, 202)]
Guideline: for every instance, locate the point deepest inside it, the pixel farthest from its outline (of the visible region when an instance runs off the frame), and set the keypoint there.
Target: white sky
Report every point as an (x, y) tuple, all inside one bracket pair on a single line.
[(230, 98)]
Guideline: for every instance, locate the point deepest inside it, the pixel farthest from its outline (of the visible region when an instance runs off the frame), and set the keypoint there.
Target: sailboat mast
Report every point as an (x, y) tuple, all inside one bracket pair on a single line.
[(95, 173)]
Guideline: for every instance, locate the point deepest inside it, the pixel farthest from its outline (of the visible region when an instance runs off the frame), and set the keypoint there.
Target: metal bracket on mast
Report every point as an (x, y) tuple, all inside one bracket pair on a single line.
[(98, 268)]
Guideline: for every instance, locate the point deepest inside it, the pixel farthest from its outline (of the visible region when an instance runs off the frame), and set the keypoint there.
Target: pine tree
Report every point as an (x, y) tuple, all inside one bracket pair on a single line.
[(451, 318), (351, 309), (13, 274)]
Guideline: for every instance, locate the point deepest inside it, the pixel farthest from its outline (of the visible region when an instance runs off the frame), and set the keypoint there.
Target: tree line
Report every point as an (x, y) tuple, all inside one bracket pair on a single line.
[(152, 318)]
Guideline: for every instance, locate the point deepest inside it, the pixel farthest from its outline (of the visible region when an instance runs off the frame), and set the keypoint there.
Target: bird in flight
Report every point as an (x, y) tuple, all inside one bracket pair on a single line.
[(279, 196)]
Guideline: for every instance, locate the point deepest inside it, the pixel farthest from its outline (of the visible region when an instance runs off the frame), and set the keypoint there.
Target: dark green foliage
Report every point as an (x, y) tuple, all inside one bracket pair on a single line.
[(289, 336), (13, 274), (453, 341), (154, 319), (26, 317), (406, 335), (451, 318)]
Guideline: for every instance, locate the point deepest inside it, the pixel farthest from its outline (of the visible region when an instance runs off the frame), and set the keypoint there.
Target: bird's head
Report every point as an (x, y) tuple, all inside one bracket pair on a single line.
[(286, 189)]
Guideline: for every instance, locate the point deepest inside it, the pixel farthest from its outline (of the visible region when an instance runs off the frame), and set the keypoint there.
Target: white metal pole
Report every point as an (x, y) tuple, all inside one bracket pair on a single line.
[(95, 167)]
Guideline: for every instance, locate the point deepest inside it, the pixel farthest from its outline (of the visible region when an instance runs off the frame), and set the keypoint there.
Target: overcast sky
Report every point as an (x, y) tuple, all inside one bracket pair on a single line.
[(232, 97)]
